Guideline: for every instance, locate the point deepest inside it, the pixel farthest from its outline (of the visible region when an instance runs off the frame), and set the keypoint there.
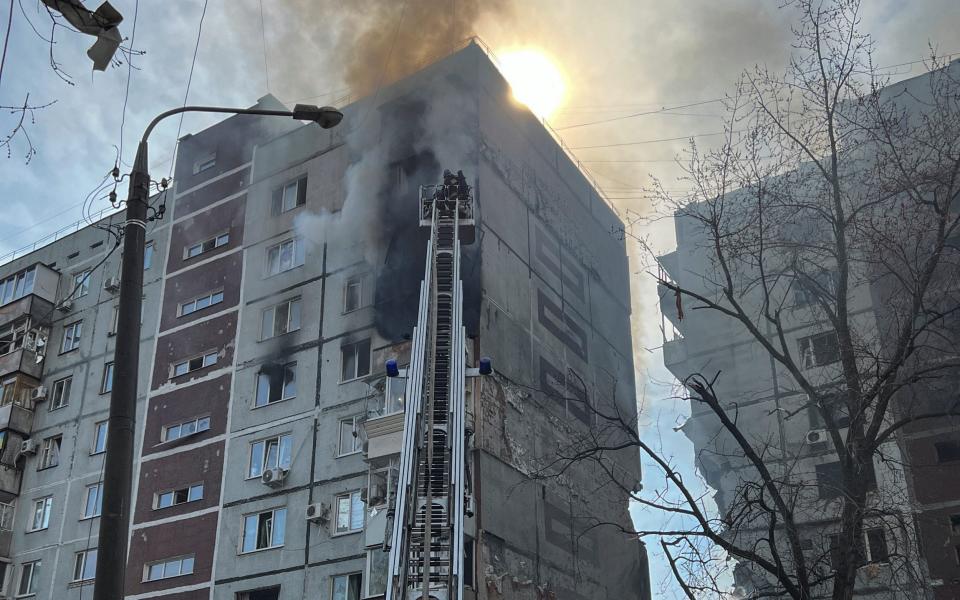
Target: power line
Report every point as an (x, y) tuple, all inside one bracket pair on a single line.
[(640, 114), (186, 94), (674, 139), (126, 96)]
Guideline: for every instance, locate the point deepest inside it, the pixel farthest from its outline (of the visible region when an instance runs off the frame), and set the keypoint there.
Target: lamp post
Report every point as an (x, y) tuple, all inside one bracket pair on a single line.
[(118, 463)]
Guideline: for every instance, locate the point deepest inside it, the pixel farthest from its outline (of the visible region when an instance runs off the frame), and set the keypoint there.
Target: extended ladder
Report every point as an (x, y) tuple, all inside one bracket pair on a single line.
[(426, 550)]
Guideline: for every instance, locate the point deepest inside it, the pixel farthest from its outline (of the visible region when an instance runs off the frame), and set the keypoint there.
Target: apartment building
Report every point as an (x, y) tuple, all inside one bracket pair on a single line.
[(913, 480), (283, 276)]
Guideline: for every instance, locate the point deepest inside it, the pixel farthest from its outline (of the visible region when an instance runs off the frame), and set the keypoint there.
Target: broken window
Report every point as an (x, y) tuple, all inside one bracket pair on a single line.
[(355, 360), (50, 452), (207, 161), (830, 479), (353, 294), (270, 453), (184, 429), (276, 382), (206, 246), (194, 364), (190, 493), (870, 548), (12, 335), (948, 451), (819, 349)]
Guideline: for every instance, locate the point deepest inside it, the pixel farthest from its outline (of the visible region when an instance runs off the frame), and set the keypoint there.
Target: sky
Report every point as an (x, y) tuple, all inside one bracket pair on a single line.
[(617, 58)]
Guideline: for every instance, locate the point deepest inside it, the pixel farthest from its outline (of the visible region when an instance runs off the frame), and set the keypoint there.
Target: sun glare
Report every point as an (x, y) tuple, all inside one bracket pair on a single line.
[(534, 79)]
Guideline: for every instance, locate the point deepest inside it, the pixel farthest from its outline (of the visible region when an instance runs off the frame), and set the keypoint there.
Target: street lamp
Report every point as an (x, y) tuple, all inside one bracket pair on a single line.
[(118, 464)]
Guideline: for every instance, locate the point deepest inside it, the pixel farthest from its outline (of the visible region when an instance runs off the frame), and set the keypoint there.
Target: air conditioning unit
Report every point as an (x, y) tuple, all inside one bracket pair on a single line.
[(38, 393), (111, 284), (318, 513), (273, 477), (816, 436), (65, 306), (28, 446)]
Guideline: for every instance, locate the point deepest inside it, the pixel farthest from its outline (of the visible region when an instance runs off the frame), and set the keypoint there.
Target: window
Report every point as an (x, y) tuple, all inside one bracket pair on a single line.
[(116, 317), (284, 256), (276, 382), (819, 350), (61, 393), (836, 406), (349, 513), (206, 246), (93, 501), (17, 285), (355, 360), (955, 524), (378, 565), (99, 437), (290, 196), (346, 587), (947, 451), (50, 452), (207, 161), (272, 593), (81, 284), (85, 565), (871, 548), (71, 336), (41, 513), (830, 479), (349, 441), (263, 530), (353, 294), (809, 288), (269, 454), (171, 567), (106, 384), (182, 430), (182, 495), (148, 256), (200, 303), (12, 335), (194, 364), (29, 578), (280, 319)]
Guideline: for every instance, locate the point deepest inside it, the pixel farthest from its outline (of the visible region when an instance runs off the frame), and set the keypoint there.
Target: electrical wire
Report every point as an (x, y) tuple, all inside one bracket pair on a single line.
[(6, 40), (665, 109), (674, 139), (126, 95), (186, 94)]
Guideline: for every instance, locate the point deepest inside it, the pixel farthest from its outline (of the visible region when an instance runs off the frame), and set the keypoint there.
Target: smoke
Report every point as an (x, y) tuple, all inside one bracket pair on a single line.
[(393, 39), (397, 146)]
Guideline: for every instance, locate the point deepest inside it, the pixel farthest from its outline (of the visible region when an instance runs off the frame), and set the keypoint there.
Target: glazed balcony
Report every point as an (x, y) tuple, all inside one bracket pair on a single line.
[(384, 424)]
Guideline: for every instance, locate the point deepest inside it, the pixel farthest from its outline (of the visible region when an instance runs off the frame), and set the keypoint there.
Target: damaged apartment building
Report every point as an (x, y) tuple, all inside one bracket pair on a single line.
[(284, 275)]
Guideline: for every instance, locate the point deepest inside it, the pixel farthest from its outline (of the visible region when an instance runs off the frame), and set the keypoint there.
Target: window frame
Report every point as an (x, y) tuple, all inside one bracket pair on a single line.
[(278, 195), (165, 429), (81, 284), (273, 530), (75, 329), (156, 505), (290, 303), (211, 298), (356, 438), (50, 452), (64, 386), (947, 451), (260, 376), (31, 587), (148, 250), (263, 459), (98, 508), (358, 280), (807, 350), (298, 256), (96, 437), (18, 284), (80, 564), (213, 242), (336, 516), (333, 584), (356, 354), (106, 383), (204, 162), (181, 559), (45, 510), (203, 363)]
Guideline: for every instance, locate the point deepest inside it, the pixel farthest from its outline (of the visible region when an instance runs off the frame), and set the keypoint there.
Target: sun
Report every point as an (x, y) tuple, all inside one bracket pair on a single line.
[(535, 80)]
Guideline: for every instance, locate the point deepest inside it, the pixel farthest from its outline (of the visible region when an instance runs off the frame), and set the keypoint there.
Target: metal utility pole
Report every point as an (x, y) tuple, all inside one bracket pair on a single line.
[(121, 426)]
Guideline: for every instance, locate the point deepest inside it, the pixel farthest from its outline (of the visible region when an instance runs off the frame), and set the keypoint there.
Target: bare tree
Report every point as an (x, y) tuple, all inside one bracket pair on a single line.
[(821, 235)]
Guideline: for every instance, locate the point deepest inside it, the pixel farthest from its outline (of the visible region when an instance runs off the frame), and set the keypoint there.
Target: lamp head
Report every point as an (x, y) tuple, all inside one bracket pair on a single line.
[(324, 116)]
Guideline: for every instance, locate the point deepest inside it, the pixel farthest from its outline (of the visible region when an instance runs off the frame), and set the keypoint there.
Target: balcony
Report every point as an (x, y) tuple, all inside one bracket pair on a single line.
[(6, 528), (384, 424), (674, 352), (22, 360), (9, 481)]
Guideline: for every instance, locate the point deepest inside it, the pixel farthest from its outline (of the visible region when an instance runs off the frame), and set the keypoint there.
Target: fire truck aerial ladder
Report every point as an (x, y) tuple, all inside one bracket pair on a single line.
[(426, 546)]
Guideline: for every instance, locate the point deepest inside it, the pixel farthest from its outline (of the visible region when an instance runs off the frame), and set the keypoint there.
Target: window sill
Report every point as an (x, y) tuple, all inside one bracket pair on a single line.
[(47, 468), (80, 583), (281, 400), (354, 453), (278, 273), (89, 519), (98, 452), (346, 533), (36, 530), (258, 550), (180, 504), (62, 352), (357, 378), (165, 578)]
